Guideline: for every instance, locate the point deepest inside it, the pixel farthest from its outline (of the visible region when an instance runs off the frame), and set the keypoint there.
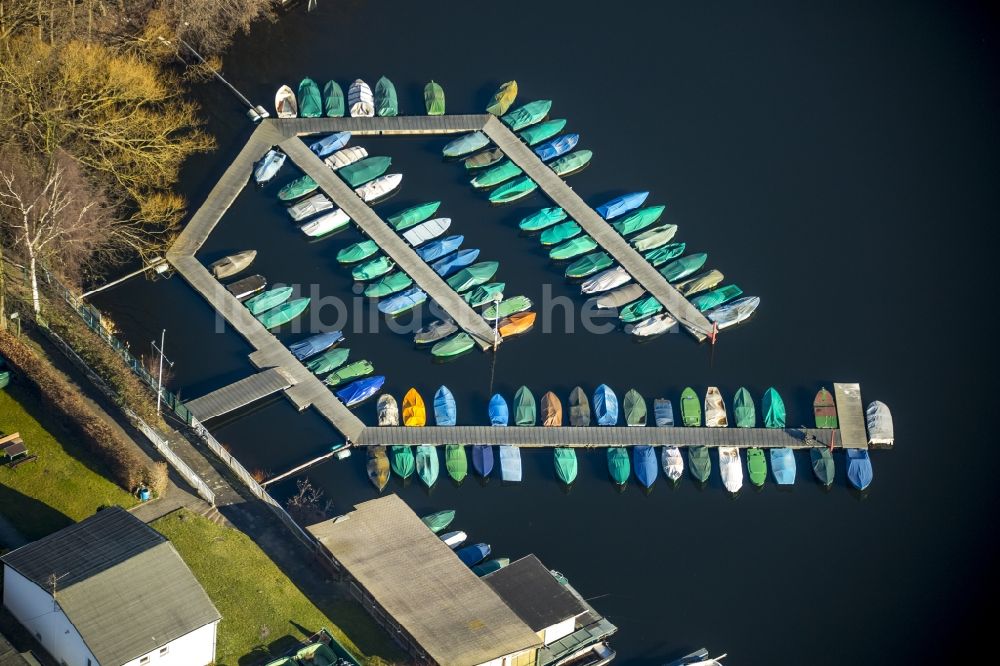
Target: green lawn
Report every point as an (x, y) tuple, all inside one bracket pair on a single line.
[(63, 485), (260, 606)]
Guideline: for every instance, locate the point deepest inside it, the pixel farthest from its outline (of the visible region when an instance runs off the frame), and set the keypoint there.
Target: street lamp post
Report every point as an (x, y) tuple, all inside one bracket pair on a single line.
[(159, 375)]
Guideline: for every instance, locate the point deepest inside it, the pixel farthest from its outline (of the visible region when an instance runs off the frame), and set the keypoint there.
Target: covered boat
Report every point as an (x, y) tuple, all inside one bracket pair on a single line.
[(474, 554), (360, 390), (572, 248), (537, 133), (641, 309), (665, 253), (699, 463), (299, 187), (822, 465), (386, 103), (566, 464), (783, 466), (233, 264), (513, 190), (345, 156), (457, 344), (571, 163), (455, 261), (388, 411), (434, 99), (445, 411), (357, 252), (551, 410), (782, 459), (524, 407), (348, 372), (465, 144), (731, 468), (510, 463), (588, 264), (283, 313), (381, 187), (559, 233), (690, 409), (528, 114), (326, 224), (269, 299), (516, 324), (542, 219), (412, 216), (428, 466), (743, 409), (360, 100), (330, 144), (473, 276), (333, 99), (434, 331), (673, 463), (378, 467), (663, 413), (639, 220), (317, 203), (502, 98), (365, 170), (499, 413), (487, 158), (268, 166), (507, 307), (402, 302), (401, 461), (482, 459), (715, 409), (699, 283), (605, 406), (247, 287), (285, 104), (440, 248), (579, 408), (621, 205), (716, 297), (388, 284), (618, 465), (878, 419), (454, 539), (605, 280), (654, 238), (734, 312), (644, 458), (484, 294), (658, 324), (426, 231), (859, 468), (414, 410), (495, 175), (436, 522), (373, 268), (310, 103), (455, 462), (681, 268), (553, 148), (489, 566), (825, 409), (315, 344), (756, 466), (635, 408), (620, 296), (774, 409), (328, 361)]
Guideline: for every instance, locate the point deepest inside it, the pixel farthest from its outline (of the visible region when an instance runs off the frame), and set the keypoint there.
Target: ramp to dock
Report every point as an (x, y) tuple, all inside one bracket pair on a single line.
[(851, 416), (238, 394)]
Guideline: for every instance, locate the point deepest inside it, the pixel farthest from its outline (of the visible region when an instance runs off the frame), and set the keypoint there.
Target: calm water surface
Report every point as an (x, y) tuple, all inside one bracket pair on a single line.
[(837, 160)]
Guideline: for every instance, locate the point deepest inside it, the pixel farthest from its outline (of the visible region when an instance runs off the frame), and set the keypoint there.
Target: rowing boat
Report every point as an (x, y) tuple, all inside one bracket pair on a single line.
[(436, 522), (502, 98), (445, 410), (349, 372), (743, 409), (434, 331), (386, 103), (428, 466), (233, 264), (537, 133), (656, 325), (328, 361), (285, 104), (510, 463), (457, 344), (559, 233), (455, 462), (299, 187), (388, 411), (434, 99), (620, 296), (412, 216), (716, 297), (551, 410), (731, 468), (618, 465), (644, 459), (542, 219), (556, 147), (326, 224), (681, 268), (507, 307), (822, 465), (440, 248), (565, 464), (782, 459), (402, 302), (482, 459), (378, 467), (663, 413), (283, 313), (859, 468), (474, 554), (330, 143), (639, 220), (672, 462), (621, 205), (605, 406), (310, 103), (414, 410), (360, 100), (640, 309), (579, 408), (573, 248), (268, 299), (342, 158), (516, 324), (487, 158), (454, 539), (388, 284), (373, 268), (357, 252), (315, 344), (484, 294), (496, 175), (699, 463), (569, 164), (605, 280), (588, 264), (365, 170), (690, 408), (401, 461), (526, 115), (473, 276), (524, 407), (427, 230), (455, 261), (715, 409), (465, 144), (317, 203), (358, 391), (662, 255), (825, 410), (333, 99), (513, 190), (699, 283), (379, 188), (734, 312), (635, 408), (268, 166)]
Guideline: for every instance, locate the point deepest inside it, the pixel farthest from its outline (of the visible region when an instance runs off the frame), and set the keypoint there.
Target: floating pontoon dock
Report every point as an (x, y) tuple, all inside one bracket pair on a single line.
[(239, 394)]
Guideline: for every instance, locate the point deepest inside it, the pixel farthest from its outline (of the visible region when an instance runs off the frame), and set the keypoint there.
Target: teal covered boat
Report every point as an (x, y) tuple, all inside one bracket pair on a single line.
[(716, 297), (529, 114), (525, 408), (495, 175), (457, 344), (618, 465), (349, 372), (513, 190), (662, 255), (328, 361), (774, 409), (822, 464), (333, 100), (573, 248), (542, 219), (589, 264), (639, 220), (357, 252), (298, 188), (283, 313), (699, 463), (560, 233), (744, 410), (537, 133), (570, 164), (373, 268), (401, 460), (434, 99), (362, 171), (654, 238), (265, 301), (507, 307), (465, 144), (484, 294), (413, 215), (436, 522), (388, 284), (386, 103), (566, 464), (310, 102), (473, 276), (681, 268), (639, 310)]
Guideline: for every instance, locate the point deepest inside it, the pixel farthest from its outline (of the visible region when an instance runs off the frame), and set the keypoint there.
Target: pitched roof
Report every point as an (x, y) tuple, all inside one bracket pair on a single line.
[(448, 610), (121, 584), (10, 656), (534, 594)]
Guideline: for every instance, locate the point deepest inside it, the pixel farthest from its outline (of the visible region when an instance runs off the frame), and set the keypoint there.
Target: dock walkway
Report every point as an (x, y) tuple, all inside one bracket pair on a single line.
[(238, 394)]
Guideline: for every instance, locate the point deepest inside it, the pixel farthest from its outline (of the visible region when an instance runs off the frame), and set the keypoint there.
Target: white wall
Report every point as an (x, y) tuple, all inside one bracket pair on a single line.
[(33, 607), (557, 631), (194, 649)]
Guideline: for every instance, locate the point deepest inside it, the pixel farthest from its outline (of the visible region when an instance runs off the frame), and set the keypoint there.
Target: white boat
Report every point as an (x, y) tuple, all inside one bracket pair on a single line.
[(731, 468), (388, 411), (268, 166), (360, 100), (715, 409), (317, 203), (733, 313), (426, 231), (326, 224), (380, 187), (620, 296), (285, 104), (654, 325), (879, 421), (454, 539), (673, 463), (345, 156), (655, 237), (510, 463), (605, 280)]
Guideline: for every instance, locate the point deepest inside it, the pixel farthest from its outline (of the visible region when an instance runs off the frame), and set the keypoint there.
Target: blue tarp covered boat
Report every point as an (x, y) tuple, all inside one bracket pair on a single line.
[(268, 166), (621, 205), (439, 248), (403, 301), (510, 463), (330, 144), (558, 146), (360, 390), (455, 262), (482, 459), (445, 412), (605, 406), (315, 344), (499, 414), (473, 554), (859, 468), (644, 461), (783, 466), (663, 412)]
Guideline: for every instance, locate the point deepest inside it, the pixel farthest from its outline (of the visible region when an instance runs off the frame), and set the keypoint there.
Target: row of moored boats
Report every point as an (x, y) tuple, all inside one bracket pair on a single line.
[(359, 102), (472, 555)]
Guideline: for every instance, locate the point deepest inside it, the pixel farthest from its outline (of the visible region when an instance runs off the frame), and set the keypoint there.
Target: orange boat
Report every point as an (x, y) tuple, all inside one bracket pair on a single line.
[(518, 323), (551, 410), (414, 411)]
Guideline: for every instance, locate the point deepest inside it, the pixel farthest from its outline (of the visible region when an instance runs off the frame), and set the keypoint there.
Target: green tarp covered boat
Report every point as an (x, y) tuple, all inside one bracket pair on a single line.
[(529, 114), (513, 190), (457, 344), (484, 293), (428, 465), (573, 248), (456, 462), (373, 268), (756, 466), (283, 313), (654, 238), (774, 409), (434, 99), (507, 307), (297, 188), (490, 566), (681, 268), (639, 220), (618, 464), (350, 371), (487, 158), (473, 276), (357, 252), (310, 103), (268, 299), (502, 99), (635, 408), (362, 171), (743, 409), (438, 521), (389, 284), (716, 297), (386, 103), (690, 408), (640, 309), (328, 361), (701, 282), (662, 255), (401, 461), (413, 215), (525, 409), (543, 219), (538, 133), (566, 464), (496, 175), (465, 144), (822, 464), (333, 100), (699, 463), (589, 264), (570, 164), (560, 233)]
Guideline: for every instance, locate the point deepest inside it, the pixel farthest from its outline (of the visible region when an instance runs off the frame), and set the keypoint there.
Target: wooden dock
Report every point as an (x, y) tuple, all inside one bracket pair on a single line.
[(610, 240), (396, 125), (239, 394)]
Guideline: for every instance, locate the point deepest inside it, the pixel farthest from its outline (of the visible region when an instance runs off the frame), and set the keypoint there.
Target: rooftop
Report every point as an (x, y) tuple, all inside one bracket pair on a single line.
[(534, 594)]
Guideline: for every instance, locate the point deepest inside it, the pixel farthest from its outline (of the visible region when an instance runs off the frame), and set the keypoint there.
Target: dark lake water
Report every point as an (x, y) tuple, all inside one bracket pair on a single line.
[(837, 160)]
